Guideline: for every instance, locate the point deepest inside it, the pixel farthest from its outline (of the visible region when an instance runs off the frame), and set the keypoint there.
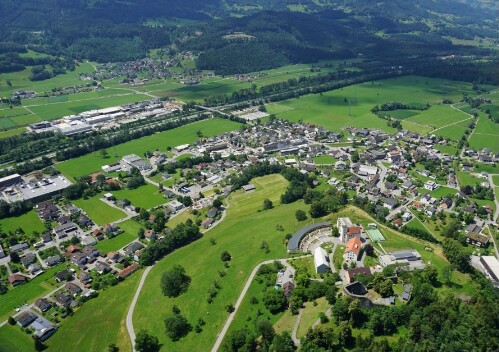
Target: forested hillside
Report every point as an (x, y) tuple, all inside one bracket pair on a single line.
[(273, 32)]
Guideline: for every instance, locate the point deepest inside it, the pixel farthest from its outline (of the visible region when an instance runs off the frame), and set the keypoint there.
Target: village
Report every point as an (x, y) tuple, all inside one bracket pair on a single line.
[(401, 176)]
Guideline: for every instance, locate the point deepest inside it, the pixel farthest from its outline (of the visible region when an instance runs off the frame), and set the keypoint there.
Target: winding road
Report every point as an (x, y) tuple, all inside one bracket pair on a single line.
[(129, 316)]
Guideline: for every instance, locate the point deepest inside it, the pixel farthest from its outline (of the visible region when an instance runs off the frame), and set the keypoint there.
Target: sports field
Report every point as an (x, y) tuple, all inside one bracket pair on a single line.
[(351, 106), (89, 163), (375, 235)]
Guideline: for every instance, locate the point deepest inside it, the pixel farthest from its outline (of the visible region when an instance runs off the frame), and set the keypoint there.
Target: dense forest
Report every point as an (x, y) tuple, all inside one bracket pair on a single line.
[(270, 34)]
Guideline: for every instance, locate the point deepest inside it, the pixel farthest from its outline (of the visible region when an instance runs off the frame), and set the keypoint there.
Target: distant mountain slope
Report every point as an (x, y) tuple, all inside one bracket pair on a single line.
[(282, 31)]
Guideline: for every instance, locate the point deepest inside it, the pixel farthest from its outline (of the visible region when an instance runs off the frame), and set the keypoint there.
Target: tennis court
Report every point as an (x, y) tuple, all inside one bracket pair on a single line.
[(375, 235)]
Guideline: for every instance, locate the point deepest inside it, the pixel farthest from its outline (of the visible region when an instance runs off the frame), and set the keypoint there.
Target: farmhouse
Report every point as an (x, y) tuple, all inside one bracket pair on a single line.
[(249, 187), (321, 261)]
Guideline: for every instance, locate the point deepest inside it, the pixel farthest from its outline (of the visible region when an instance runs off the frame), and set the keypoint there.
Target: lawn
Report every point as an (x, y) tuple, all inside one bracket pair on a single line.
[(29, 222), (98, 322), (351, 106), (324, 159), (443, 192), (98, 211), (89, 163), (240, 233), (466, 178), (495, 179), (146, 196), (27, 293), (130, 228), (13, 339)]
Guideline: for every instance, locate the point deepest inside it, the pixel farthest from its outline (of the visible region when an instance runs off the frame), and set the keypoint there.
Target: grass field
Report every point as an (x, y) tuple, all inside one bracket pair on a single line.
[(130, 228), (89, 163), (28, 292), (146, 196), (20, 80), (98, 211), (310, 315), (351, 106), (98, 322), (324, 159), (29, 222), (12, 339), (485, 135), (240, 233)]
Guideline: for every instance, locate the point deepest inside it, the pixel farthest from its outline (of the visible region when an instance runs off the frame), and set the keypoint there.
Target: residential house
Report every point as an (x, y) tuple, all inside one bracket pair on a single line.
[(430, 185), (46, 237), (129, 270), (78, 259), (133, 247), (17, 279), (43, 304), (477, 239), (84, 277), (212, 213), (102, 268), (390, 203), (149, 235), (53, 260), (63, 299), (63, 275), (90, 252), (35, 268), (2, 252), (64, 230), (473, 228), (350, 274), (175, 205), (73, 288), (43, 328), (28, 259), (19, 247), (84, 221), (206, 223), (25, 318)]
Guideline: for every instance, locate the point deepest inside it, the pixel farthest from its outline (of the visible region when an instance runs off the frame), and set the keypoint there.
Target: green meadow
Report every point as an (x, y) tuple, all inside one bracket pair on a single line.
[(98, 211), (351, 106), (13, 339), (89, 163), (29, 222), (98, 322)]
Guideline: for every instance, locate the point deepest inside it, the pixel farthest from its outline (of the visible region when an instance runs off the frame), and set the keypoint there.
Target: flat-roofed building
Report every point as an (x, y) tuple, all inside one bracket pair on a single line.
[(491, 265)]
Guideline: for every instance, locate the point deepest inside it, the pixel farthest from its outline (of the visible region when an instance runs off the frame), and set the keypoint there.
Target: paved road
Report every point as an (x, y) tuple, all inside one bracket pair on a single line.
[(129, 316), (226, 326), (492, 186), (295, 339)]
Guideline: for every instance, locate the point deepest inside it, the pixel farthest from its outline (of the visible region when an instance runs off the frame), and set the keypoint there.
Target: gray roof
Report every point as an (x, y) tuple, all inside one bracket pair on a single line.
[(294, 241), (19, 247)]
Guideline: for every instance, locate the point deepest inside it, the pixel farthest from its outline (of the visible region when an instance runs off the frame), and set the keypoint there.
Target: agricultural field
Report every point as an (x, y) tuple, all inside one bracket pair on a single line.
[(351, 106), (89, 163), (57, 110), (12, 339), (29, 222), (98, 211), (98, 322), (27, 293), (20, 80), (485, 135)]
